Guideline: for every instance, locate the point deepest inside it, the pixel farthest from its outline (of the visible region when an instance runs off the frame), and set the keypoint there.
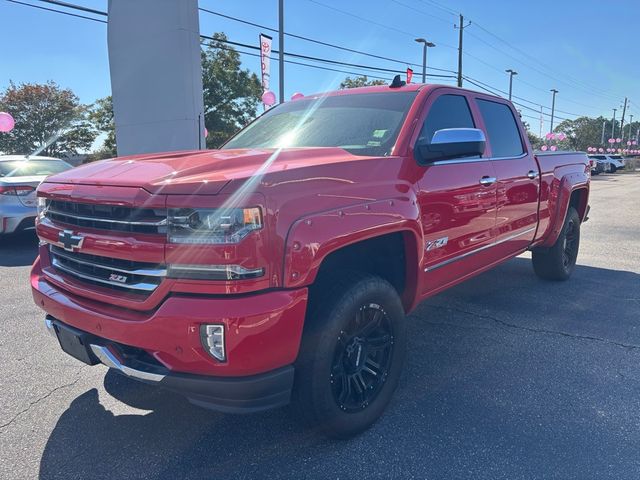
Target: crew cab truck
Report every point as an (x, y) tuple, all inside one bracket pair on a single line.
[(280, 268)]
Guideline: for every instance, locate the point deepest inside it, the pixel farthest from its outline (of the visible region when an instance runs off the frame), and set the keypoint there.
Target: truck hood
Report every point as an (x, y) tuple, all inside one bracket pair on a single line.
[(199, 171)]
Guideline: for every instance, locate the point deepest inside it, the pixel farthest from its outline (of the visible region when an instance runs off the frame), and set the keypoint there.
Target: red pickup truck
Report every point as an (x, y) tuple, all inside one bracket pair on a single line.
[(280, 268)]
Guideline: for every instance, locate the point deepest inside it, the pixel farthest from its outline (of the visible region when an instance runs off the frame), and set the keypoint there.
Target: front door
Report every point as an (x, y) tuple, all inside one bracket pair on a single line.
[(457, 200)]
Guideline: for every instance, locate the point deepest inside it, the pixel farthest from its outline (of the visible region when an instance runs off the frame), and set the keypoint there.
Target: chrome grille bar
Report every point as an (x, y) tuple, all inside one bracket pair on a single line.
[(108, 220), (140, 286), (145, 272)]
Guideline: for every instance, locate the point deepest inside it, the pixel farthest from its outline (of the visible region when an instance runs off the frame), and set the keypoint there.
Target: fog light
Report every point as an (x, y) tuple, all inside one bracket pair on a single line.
[(212, 337)]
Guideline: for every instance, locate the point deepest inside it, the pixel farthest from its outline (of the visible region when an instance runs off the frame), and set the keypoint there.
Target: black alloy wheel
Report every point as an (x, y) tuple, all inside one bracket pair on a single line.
[(362, 358)]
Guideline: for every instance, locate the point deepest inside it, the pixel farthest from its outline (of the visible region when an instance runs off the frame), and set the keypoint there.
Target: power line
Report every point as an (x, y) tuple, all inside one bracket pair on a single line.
[(57, 11), (372, 22), (295, 55), (313, 40)]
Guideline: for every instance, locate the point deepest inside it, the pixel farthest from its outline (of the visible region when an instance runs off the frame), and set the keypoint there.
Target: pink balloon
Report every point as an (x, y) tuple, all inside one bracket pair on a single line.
[(601, 149), (269, 98), (618, 140), (611, 140), (549, 136), (297, 96), (561, 136), (553, 148), (543, 148), (6, 122), (628, 142)]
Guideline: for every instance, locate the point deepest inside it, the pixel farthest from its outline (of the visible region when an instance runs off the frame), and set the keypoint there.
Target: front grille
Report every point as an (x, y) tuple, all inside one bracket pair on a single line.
[(121, 275), (107, 217)]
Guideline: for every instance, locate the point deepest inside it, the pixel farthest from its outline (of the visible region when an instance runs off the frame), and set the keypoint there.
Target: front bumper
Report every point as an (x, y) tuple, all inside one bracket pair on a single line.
[(262, 330), (227, 394)]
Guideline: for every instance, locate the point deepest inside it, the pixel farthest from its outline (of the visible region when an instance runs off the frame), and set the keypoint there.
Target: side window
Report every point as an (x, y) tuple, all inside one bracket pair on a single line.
[(502, 129), (448, 111)]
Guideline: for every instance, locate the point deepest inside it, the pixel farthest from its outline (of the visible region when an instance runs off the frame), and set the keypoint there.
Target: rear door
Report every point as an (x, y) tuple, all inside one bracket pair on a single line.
[(457, 198), (517, 173)]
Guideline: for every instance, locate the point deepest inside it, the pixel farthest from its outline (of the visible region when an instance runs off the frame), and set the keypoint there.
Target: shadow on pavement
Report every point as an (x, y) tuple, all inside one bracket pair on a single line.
[(18, 250), (507, 376)]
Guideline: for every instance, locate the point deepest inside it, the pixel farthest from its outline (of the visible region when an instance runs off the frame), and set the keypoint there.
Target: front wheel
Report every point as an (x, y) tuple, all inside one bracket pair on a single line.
[(351, 354), (559, 261)]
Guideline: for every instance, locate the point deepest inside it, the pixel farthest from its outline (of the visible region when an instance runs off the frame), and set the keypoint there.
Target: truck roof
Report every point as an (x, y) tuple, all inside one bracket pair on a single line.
[(411, 87)]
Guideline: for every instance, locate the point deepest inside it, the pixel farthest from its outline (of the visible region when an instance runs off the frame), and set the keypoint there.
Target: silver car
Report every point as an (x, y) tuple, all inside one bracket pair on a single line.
[(19, 178)]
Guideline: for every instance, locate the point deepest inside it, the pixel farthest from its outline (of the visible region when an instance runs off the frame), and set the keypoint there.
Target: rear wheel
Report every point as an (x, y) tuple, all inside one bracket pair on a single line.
[(559, 261), (351, 355)]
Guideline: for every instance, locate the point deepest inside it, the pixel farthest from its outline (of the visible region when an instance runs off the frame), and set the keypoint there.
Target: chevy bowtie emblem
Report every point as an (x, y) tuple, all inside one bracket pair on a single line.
[(69, 241)]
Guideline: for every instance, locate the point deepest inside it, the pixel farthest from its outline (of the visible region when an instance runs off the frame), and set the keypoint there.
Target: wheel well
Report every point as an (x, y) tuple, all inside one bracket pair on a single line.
[(384, 256), (578, 201)]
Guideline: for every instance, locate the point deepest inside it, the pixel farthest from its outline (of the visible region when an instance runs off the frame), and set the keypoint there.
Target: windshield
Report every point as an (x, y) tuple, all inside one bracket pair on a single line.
[(362, 124), (27, 168)]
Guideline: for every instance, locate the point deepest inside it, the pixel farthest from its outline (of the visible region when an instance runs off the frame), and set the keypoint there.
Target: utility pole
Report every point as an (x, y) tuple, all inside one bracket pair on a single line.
[(553, 107), (511, 74), (541, 122), (613, 124), (604, 122), (461, 27), (281, 48), (624, 110), (630, 122), (425, 45)]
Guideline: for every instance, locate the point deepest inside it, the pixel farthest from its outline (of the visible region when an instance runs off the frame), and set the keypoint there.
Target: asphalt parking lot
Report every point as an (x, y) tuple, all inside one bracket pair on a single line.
[(507, 376)]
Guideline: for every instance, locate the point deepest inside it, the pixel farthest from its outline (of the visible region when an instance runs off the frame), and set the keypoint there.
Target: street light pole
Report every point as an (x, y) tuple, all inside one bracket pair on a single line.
[(281, 48), (553, 107), (511, 74), (613, 124), (425, 45)]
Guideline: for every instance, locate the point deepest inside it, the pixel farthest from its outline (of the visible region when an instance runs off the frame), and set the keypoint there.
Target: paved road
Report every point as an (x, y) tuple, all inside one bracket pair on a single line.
[(507, 377)]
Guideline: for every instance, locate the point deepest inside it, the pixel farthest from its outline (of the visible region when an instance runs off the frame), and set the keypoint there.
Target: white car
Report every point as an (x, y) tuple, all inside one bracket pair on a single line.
[(607, 163), (19, 178)]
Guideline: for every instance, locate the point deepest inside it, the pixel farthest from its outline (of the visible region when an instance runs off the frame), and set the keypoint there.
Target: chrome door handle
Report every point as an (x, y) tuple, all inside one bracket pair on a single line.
[(486, 181), (532, 174)]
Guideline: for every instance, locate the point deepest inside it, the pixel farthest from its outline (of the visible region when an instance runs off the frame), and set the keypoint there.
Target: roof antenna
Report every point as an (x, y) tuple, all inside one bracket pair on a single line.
[(397, 82)]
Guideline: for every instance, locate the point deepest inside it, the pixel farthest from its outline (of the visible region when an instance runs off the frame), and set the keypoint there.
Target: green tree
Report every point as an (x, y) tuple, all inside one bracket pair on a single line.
[(361, 81), (582, 132), (231, 94), (101, 115), (49, 121)]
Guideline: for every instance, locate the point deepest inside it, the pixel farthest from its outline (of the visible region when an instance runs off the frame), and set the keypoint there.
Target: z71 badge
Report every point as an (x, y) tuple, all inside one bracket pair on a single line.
[(114, 277), (433, 244)]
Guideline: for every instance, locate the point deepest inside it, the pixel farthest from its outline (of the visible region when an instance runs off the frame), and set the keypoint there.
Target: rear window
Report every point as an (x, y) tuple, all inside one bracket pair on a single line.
[(26, 168), (598, 157), (502, 129), (616, 157)]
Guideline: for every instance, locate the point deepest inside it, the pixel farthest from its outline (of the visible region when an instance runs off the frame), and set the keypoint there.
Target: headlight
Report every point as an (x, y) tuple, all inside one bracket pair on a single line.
[(212, 226), (42, 207)]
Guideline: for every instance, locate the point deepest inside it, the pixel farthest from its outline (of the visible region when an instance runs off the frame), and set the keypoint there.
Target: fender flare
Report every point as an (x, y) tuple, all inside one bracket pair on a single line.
[(559, 205), (312, 238)]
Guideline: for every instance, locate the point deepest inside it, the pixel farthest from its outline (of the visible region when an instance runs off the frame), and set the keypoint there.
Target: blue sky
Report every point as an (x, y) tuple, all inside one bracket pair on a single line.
[(587, 50)]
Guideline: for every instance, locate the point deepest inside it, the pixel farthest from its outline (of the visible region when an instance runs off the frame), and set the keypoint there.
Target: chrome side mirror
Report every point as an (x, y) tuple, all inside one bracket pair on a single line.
[(450, 143)]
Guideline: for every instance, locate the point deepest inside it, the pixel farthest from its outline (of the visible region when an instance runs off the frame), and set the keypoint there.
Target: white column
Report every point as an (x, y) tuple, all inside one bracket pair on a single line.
[(156, 75)]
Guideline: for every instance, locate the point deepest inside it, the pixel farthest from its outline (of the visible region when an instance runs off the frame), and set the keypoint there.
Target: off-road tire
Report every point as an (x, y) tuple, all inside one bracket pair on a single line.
[(559, 261), (340, 307)]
